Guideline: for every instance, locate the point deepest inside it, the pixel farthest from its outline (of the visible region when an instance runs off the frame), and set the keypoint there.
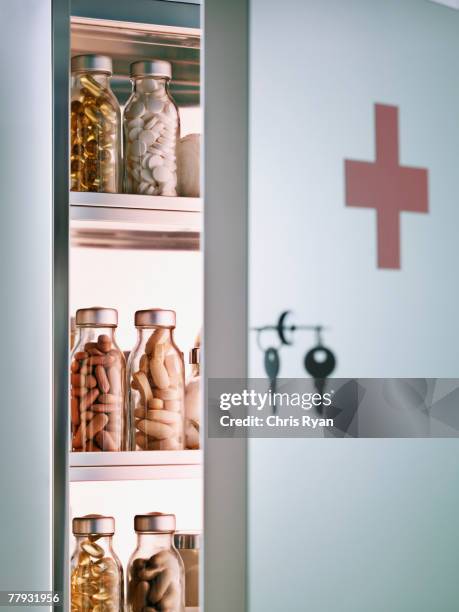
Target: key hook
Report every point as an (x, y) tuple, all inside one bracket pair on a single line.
[(319, 336), (282, 328), (286, 331)]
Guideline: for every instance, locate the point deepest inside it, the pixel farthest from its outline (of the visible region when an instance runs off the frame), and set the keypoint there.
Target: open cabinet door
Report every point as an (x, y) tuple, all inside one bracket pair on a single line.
[(341, 90)]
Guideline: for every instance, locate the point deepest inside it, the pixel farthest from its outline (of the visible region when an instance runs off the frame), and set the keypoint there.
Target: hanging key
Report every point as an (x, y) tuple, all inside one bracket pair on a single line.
[(272, 366), (319, 362)]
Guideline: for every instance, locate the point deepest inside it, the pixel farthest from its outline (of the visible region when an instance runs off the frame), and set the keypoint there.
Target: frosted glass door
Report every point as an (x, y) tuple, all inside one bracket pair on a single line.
[(354, 216)]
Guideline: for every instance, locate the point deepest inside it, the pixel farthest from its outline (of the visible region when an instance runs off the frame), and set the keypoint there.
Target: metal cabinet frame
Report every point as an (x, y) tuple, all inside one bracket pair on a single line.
[(36, 42)]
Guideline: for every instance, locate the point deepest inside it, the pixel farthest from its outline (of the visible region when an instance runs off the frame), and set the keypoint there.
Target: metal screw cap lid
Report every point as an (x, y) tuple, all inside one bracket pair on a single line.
[(154, 522), (157, 68), (92, 63), (195, 355), (187, 540), (154, 317), (93, 524), (97, 316)]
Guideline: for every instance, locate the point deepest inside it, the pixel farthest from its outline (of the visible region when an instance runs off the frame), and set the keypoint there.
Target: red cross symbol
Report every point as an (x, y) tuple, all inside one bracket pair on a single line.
[(386, 186)]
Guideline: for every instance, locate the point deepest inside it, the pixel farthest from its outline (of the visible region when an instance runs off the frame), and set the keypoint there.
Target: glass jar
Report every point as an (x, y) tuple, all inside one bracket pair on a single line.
[(188, 545), (97, 381), (95, 127), (155, 574), (96, 573), (156, 384), (193, 401), (151, 131)]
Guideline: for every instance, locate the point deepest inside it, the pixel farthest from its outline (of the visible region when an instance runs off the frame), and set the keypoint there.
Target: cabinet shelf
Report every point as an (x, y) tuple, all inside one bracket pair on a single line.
[(104, 220), (138, 465)]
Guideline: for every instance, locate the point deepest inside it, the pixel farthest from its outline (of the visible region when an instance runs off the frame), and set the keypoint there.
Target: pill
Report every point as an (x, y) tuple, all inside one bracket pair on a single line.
[(172, 598), (146, 175), (138, 565), (135, 123), (147, 137), (159, 586), (147, 443), (106, 442), (159, 336), (114, 422), (75, 412), (96, 424), (154, 161), (83, 602), (165, 559), (89, 399), (92, 349), (162, 174), (159, 373), (192, 436), (136, 110), (143, 386), (104, 343), (83, 559), (79, 437), (171, 444), (91, 447), (112, 357), (136, 174), (155, 429), (75, 366), (166, 140), (142, 441), (168, 394), (166, 118), (172, 365), (108, 398), (172, 405), (91, 382), (145, 160), (150, 123), (168, 191), (102, 379), (106, 564), (140, 595), (163, 416), (138, 148), (170, 163), (134, 133), (102, 595), (154, 105), (77, 380), (106, 408), (96, 360), (114, 377), (155, 404), (93, 549), (144, 364), (140, 412)]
